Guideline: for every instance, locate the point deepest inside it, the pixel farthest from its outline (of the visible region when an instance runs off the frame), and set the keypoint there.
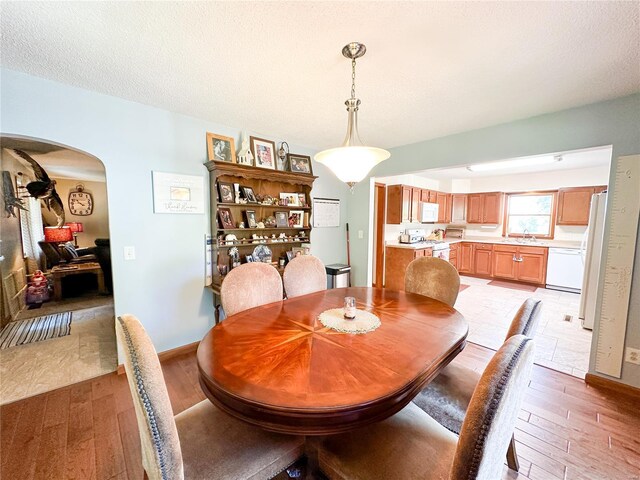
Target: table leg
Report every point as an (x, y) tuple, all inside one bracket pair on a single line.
[(57, 288), (101, 288)]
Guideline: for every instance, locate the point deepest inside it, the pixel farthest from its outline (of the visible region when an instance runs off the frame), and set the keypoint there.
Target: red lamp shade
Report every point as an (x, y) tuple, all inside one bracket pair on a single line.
[(57, 234), (76, 227)]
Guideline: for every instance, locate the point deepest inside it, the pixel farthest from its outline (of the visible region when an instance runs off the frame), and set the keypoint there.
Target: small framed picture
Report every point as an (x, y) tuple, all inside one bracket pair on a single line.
[(289, 256), (249, 258), (296, 218), (297, 251), (290, 199), (226, 192), (251, 218), (282, 164), (226, 219), (302, 200), (299, 163), (247, 192), (221, 148), (282, 219), (264, 152)]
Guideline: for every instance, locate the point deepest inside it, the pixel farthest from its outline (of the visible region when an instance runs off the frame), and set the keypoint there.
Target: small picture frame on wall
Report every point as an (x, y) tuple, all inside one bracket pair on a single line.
[(226, 192), (226, 218), (221, 148), (282, 219), (251, 218), (264, 152), (296, 218), (299, 164)]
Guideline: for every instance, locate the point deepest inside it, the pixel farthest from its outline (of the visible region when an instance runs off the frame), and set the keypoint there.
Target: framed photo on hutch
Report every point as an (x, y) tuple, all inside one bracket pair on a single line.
[(300, 163), (296, 218), (249, 195), (221, 148), (226, 192), (251, 218), (226, 219), (282, 219), (264, 152)]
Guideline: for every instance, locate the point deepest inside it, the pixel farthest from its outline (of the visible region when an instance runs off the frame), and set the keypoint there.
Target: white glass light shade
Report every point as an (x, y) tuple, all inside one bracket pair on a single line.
[(351, 164)]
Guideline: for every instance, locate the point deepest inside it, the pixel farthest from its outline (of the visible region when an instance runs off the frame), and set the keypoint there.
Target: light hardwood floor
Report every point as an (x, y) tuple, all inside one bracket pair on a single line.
[(566, 429)]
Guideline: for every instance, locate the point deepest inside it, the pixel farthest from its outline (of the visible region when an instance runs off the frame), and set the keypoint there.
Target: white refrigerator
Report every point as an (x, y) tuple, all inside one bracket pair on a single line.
[(591, 253)]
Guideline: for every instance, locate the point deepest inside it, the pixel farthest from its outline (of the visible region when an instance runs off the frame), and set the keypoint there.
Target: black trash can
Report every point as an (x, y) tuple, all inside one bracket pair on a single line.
[(338, 275)]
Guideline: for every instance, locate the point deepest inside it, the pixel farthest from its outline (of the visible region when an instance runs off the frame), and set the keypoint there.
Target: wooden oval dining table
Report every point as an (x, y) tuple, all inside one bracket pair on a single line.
[(276, 366)]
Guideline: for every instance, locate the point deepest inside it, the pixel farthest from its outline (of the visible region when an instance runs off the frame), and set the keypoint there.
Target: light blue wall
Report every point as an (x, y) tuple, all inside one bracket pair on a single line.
[(164, 285), (615, 122)]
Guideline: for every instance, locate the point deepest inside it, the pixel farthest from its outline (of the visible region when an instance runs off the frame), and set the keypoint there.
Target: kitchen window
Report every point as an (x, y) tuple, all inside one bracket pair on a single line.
[(530, 214)]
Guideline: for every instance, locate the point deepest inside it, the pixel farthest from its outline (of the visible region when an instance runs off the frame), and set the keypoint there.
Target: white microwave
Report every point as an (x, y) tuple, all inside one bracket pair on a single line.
[(429, 213)]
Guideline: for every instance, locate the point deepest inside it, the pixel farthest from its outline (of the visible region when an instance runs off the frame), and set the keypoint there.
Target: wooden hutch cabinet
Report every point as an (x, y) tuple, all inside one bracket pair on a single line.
[(265, 183)]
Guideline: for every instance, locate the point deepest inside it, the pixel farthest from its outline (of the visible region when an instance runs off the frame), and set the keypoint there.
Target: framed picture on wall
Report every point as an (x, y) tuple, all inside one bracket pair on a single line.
[(221, 148)]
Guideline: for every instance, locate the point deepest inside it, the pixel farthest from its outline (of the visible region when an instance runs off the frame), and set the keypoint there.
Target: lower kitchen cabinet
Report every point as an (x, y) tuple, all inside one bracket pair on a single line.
[(396, 262), (525, 264), (453, 254), (465, 258), (482, 259)]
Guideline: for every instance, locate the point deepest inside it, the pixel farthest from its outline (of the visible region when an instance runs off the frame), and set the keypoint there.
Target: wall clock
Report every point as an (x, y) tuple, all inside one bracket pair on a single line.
[(80, 202)]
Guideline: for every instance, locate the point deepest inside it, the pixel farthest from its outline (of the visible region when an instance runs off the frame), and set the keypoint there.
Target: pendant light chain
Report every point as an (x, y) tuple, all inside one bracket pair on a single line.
[(353, 78)]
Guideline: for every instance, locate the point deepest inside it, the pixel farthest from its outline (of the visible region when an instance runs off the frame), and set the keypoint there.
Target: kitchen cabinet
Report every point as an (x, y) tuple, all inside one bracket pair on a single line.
[(484, 208), (396, 262), (414, 214), (520, 263), (453, 254), (399, 204), (444, 212), (574, 205), (482, 259), (465, 258), (458, 208)]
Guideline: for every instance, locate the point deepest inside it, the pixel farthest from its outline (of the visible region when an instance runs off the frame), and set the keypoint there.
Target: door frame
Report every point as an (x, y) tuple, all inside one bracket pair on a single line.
[(380, 199)]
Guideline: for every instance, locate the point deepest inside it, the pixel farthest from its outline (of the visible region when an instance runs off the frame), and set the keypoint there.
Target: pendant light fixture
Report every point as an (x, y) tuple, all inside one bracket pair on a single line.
[(352, 161)]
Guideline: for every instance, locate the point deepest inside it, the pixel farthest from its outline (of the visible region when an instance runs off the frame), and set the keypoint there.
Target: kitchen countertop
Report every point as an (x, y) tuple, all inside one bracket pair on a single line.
[(496, 240)]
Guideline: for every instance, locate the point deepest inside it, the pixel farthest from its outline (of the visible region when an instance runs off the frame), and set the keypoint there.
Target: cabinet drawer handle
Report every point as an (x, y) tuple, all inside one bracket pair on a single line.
[(520, 259)]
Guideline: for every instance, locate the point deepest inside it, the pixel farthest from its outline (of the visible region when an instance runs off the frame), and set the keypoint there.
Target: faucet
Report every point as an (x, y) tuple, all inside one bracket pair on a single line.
[(526, 234)]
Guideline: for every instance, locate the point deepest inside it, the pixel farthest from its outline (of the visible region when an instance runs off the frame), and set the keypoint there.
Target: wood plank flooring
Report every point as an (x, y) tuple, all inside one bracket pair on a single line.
[(566, 430)]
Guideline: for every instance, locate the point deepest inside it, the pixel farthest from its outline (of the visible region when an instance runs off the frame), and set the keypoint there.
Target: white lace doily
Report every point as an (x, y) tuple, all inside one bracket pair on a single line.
[(363, 322)]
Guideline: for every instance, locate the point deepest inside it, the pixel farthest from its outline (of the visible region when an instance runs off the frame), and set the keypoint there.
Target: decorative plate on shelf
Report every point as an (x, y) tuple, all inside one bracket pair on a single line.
[(262, 253)]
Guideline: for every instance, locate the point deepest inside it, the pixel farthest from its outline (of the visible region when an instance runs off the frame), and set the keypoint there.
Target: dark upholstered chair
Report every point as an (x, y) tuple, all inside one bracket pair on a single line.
[(56, 257), (433, 277), (201, 442), (447, 397), (413, 445), (248, 286), (304, 274)]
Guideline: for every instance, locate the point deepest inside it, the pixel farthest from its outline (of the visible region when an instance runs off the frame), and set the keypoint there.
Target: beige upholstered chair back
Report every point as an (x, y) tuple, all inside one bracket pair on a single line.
[(433, 277), (161, 454), (492, 413), (526, 320), (250, 285), (304, 274)]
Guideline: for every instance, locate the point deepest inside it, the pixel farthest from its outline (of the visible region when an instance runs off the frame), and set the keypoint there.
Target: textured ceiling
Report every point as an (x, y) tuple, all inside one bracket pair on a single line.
[(275, 68)]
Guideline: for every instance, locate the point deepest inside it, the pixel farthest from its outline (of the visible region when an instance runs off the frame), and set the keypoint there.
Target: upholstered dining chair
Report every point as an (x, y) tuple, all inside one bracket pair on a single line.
[(433, 277), (447, 397), (411, 444), (248, 286), (304, 274), (201, 442)]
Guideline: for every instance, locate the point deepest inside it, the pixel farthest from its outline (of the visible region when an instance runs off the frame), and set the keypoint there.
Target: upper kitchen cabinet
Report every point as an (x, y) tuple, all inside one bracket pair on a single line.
[(484, 207), (403, 204), (574, 204), (458, 208), (444, 207)]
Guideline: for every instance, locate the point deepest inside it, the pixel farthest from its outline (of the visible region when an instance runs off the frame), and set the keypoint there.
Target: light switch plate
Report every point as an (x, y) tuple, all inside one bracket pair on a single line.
[(130, 253), (360, 234)]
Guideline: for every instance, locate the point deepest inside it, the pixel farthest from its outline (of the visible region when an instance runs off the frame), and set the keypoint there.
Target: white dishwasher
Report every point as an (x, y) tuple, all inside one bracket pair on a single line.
[(565, 269)]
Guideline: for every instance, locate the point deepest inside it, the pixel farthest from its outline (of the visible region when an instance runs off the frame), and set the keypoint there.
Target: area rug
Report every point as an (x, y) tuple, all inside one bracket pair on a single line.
[(463, 287), (514, 286), (35, 330)]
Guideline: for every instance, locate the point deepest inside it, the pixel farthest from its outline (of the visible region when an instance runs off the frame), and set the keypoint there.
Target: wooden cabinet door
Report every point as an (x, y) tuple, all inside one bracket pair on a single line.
[(415, 204), (406, 204), (504, 265), (574, 205), (418, 253), (465, 258), (492, 207), (482, 261), (458, 208), (448, 208), (441, 200), (474, 208), (425, 196), (532, 268), (396, 262), (394, 204)]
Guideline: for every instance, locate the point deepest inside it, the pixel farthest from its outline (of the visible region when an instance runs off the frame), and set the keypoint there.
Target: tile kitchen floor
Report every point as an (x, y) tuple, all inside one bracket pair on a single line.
[(87, 352), (561, 345)]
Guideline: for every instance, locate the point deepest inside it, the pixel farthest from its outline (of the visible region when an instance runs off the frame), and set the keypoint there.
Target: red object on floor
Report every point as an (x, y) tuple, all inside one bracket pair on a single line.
[(515, 286), (463, 287)]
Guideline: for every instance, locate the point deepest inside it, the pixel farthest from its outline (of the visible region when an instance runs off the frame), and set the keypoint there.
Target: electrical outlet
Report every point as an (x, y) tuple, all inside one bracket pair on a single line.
[(632, 355), (129, 253)]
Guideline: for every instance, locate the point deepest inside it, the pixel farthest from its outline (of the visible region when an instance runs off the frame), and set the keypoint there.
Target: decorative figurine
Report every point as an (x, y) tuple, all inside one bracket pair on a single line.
[(245, 157)]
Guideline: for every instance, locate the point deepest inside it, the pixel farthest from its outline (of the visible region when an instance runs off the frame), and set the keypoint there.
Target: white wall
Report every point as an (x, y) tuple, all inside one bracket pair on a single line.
[(164, 285)]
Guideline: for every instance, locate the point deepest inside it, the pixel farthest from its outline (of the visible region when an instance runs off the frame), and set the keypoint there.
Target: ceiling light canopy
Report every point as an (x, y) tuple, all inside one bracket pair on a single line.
[(352, 161), (519, 162)]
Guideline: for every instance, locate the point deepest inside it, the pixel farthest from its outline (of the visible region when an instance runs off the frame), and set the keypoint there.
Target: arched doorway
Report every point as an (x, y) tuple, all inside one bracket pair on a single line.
[(57, 327)]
